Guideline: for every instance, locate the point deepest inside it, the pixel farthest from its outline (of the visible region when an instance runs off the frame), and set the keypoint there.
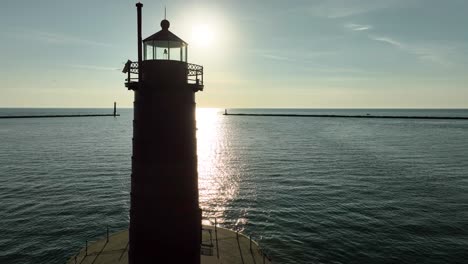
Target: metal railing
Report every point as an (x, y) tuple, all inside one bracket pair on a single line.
[(130, 68), (76, 260), (208, 248), (194, 72)]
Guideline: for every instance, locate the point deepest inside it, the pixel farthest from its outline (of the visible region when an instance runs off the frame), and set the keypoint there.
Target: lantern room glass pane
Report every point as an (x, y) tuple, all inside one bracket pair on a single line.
[(176, 55), (165, 50), (161, 54), (148, 50)]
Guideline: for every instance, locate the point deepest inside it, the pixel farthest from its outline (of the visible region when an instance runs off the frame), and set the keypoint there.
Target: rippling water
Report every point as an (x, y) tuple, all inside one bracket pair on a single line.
[(311, 190)]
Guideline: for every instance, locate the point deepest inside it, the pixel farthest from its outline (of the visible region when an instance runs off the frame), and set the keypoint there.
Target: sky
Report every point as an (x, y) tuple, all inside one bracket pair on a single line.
[(260, 54)]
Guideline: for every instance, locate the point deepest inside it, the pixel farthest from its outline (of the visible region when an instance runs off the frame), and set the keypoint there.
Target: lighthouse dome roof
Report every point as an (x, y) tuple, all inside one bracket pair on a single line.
[(165, 35)]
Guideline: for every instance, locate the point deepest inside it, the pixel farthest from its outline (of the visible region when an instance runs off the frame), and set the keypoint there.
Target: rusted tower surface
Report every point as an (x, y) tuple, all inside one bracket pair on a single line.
[(165, 218)]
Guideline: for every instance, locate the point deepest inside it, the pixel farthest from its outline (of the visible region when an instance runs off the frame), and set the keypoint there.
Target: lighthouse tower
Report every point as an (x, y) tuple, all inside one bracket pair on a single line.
[(165, 218)]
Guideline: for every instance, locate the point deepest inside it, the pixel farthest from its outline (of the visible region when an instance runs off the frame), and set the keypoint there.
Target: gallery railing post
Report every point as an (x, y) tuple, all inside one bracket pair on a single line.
[(216, 235)]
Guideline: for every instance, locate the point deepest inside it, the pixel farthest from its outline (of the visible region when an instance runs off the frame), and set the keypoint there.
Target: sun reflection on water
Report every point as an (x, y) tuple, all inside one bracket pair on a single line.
[(216, 181)]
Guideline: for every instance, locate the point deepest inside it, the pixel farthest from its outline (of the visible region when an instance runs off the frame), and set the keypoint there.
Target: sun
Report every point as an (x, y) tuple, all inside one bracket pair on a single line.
[(203, 35)]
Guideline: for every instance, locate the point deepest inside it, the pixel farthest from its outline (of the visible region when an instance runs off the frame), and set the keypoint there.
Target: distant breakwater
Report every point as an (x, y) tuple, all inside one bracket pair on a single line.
[(54, 116), (353, 116)]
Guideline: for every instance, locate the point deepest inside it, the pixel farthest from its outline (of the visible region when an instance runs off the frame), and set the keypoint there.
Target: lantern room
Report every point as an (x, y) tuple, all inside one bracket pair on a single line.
[(164, 45)]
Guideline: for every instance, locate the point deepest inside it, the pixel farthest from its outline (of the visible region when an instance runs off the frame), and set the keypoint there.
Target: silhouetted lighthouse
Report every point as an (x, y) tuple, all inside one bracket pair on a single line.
[(165, 219)]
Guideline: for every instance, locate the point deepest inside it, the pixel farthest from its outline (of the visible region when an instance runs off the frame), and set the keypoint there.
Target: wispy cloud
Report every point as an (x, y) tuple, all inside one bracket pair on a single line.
[(432, 53), (281, 55), (436, 55), (347, 8), (276, 57), (93, 67), (316, 54), (272, 54), (357, 27), (57, 38), (388, 40), (340, 70)]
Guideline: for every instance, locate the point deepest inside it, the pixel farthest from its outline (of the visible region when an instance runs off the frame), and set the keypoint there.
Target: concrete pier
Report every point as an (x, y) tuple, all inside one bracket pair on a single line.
[(53, 116), (219, 245), (352, 116)]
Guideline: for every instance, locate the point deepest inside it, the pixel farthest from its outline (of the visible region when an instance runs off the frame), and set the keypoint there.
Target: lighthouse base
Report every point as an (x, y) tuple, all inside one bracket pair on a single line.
[(219, 245)]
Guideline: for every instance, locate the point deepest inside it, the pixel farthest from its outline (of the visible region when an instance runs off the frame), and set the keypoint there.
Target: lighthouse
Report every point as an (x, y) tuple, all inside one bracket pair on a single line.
[(165, 218)]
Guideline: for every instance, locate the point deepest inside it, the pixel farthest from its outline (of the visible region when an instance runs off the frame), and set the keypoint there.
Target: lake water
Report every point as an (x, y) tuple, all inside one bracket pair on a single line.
[(310, 190)]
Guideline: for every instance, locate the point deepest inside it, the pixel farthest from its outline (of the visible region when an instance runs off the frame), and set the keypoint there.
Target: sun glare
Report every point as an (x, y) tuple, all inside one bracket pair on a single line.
[(202, 35)]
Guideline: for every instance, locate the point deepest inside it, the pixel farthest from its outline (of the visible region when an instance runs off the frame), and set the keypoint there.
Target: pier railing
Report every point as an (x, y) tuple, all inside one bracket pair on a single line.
[(208, 247)]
